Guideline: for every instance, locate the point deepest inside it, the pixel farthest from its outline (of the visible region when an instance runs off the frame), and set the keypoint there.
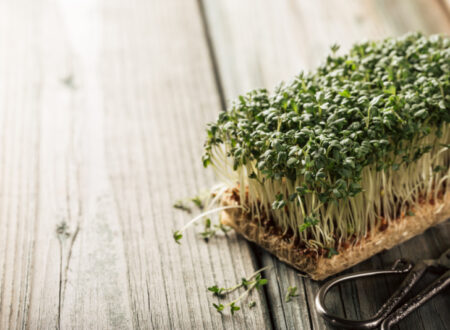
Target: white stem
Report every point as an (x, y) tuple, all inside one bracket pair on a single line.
[(209, 212)]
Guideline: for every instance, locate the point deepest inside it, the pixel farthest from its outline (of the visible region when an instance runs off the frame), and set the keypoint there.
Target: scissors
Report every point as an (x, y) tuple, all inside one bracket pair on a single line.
[(386, 316)]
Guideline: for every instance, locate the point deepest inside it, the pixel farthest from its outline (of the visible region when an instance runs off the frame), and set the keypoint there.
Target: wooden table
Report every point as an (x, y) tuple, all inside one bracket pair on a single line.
[(103, 107)]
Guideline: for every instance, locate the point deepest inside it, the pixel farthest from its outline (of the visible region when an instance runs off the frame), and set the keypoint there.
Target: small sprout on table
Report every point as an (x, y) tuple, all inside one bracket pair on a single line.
[(219, 307), (181, 205), (245, 283), (255, 281), (198, 201), (259, 282), (234, 308), (62, 230), (177, 236), (208, 232), (219, 292), (334, 48), (211, 230), (291, 293)]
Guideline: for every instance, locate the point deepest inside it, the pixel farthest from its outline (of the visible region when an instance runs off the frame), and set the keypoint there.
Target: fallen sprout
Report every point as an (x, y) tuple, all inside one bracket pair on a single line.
[(291, 293), (181, 205), (178, 234), (255, 281), (211, 230)]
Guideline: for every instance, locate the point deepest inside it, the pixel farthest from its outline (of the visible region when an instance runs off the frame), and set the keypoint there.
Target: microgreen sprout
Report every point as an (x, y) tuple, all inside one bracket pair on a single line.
[(255, 281), (197, 200), (291, 293), (211, 230), (234, 308), (309, 221), (327, 156), (177, 235), (181, 205), (219, 307)]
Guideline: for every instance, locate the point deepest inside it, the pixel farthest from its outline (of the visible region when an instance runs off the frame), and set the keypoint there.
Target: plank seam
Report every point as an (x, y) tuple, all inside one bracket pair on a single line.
[(311, 326), (259, 264), (212, 55)]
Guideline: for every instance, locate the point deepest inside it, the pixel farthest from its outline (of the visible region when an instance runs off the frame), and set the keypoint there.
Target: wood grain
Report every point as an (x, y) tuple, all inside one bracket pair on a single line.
[(259, 44), (159, 94), (103, 110)]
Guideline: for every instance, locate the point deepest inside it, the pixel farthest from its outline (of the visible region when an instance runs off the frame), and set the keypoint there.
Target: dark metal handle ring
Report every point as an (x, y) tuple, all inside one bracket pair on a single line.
[(400, 266)]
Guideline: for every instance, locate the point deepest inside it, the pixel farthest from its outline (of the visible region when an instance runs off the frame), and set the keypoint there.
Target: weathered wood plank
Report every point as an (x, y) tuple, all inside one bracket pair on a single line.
[(103, 108), (62, 255), (159, 92), (259, 44)]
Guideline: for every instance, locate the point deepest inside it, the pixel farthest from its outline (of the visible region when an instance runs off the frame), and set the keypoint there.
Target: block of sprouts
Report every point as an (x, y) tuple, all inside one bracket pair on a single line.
[(343, 162)]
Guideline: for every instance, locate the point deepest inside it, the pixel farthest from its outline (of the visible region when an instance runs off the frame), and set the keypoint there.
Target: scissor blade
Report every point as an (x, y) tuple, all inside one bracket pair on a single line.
[(429, 292)]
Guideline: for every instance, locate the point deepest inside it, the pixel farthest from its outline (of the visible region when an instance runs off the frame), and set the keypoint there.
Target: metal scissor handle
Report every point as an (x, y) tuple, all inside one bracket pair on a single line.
[(384, 317), (400, 266), (430, 291)]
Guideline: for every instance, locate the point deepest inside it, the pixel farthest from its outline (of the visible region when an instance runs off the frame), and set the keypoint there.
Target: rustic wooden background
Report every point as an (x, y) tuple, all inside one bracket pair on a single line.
[(103, 105)]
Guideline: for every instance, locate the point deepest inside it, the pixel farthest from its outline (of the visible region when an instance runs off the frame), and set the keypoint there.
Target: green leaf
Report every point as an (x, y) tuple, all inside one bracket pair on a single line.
[(260, 283), (345, 93), (291, 293), (182, 206), (309, 221), (421, 113), (279, 202), (376, 100), (335, 48), (219, 307), (390, 90), (219, 292), (198, 202), (177, 236), (439, 168), (245, 283), (234, 308), (213, 289), (292, 162), (206, 160)]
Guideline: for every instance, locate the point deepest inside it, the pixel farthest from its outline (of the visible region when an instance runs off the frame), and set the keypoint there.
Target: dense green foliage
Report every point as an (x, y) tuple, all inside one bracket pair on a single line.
[(358, 109)]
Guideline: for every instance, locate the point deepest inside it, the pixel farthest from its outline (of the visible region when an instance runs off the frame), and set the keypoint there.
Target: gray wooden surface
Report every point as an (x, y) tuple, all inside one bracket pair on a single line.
[(103, 106)]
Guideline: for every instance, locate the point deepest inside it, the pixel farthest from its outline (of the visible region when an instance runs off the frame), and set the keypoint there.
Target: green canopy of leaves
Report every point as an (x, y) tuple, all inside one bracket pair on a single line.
[(355, 110)]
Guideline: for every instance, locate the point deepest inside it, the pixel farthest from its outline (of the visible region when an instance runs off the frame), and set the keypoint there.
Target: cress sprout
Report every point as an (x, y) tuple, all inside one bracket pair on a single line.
[(345, 149)]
